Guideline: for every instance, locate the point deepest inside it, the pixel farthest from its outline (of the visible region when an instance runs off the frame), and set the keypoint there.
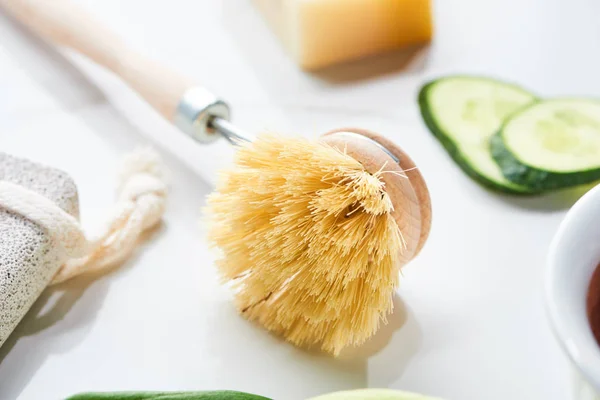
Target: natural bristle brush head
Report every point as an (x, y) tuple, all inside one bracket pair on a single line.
[(313, 233)]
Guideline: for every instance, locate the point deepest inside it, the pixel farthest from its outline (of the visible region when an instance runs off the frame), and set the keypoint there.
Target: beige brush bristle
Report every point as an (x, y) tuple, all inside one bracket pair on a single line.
[(308, 241)]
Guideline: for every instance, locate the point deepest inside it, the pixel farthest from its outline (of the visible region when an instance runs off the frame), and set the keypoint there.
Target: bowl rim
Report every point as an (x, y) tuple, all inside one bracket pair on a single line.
[(574, 340)]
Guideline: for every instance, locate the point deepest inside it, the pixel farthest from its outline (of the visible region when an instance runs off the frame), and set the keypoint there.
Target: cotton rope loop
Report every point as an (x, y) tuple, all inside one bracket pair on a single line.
[(141, 199)]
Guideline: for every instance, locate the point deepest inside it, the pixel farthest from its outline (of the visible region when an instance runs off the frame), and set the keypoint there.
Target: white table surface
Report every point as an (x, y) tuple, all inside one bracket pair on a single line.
[(470, 322)]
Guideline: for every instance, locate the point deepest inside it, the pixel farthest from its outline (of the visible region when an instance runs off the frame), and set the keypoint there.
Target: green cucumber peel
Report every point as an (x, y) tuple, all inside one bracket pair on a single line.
[(209, 395)]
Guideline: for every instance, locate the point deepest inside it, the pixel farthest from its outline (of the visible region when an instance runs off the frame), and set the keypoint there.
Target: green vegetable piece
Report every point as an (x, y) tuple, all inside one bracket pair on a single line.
[(463, 113), (551, 144), (212, 395)]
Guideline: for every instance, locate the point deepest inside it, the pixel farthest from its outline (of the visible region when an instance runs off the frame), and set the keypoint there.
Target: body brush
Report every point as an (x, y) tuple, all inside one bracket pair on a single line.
[(312, 233)]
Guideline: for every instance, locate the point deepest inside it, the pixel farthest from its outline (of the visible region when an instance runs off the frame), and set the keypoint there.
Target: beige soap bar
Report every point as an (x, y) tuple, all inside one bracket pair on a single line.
[(319, 33)]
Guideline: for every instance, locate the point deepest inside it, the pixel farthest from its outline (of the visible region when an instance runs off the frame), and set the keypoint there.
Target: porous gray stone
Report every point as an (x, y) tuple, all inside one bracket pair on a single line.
[(28, 257)]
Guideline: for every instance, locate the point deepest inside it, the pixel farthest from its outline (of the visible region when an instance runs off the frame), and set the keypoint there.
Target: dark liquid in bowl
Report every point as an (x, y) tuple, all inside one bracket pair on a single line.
[(593, 304)]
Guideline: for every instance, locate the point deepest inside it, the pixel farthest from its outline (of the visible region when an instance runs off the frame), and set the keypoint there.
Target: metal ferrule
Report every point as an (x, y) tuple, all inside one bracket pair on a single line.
[(205, 118), (195, 111)]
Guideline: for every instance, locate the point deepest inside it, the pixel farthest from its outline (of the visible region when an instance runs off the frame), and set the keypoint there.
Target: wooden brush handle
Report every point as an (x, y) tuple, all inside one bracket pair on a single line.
[(63, 23)]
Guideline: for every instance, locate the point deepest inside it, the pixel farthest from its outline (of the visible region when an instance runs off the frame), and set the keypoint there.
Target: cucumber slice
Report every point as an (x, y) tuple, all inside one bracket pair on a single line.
[(551, 144), (464, 113)]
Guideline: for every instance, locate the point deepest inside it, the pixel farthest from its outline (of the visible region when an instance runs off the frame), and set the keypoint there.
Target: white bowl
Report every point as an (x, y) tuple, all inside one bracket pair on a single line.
[(574, 255)]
